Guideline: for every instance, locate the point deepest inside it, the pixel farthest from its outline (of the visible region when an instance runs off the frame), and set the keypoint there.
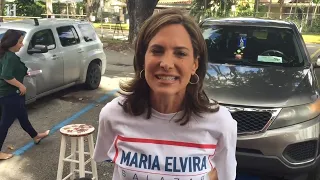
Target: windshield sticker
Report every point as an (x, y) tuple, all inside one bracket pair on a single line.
[(242, 41), (272, 59)]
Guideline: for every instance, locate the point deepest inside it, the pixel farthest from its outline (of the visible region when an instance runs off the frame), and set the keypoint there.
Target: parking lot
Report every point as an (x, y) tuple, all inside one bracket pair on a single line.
[(73, 105)]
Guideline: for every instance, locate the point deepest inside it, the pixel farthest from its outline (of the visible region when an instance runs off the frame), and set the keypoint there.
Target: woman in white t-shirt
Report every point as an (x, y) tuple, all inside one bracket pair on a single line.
[(163, 126)]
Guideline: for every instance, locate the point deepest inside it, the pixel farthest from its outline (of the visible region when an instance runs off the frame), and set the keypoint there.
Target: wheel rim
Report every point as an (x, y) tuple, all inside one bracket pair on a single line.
[(94, 76)]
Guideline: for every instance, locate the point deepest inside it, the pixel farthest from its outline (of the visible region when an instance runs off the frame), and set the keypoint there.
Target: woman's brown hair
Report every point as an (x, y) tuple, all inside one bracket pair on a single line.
[(137, 91), (10, 38)]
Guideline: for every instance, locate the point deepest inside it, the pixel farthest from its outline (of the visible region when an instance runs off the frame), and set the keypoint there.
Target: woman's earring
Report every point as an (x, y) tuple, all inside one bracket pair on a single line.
[(197, 77), (141, 73)]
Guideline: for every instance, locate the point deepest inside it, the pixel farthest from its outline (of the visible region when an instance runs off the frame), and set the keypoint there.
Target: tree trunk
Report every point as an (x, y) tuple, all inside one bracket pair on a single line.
[(49, 8), (281, 8), (308, 10), (2, 7), (256, 8), (138, 11), (96, 6), (281, 2), (290, 13), (314, 14), (269, 8), (89, 9)]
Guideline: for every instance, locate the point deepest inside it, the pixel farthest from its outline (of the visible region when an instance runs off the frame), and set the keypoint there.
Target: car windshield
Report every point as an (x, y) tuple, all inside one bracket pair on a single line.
[(4, 30), (249, 45)]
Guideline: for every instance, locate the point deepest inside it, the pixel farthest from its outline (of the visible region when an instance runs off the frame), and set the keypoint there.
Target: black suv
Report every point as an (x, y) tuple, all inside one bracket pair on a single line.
[(261, 70)]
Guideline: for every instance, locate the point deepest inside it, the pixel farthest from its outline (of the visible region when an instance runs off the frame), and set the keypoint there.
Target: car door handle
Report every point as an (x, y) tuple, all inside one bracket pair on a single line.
[(80, 50), (54, 57)]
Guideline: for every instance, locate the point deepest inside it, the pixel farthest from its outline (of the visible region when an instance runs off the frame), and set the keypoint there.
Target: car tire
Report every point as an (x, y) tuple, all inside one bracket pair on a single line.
[(93, 77)]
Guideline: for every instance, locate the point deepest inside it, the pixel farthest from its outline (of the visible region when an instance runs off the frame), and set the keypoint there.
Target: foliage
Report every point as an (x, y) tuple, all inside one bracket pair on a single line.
[(244, 9), (315, 28), (196, 8), (213, 8), (30, 8), (80, 5), (57, 7)]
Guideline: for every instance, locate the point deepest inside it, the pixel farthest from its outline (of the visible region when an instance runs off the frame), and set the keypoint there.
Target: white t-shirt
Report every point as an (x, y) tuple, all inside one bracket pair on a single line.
[(160, 149)]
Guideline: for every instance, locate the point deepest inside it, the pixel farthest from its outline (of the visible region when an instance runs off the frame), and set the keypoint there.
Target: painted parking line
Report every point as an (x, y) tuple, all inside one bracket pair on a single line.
[(315, 53), (75, 116)]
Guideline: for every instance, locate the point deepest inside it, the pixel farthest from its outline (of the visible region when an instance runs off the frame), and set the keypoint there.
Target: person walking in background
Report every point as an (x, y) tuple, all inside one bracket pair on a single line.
[(12, 90), (163, 126)]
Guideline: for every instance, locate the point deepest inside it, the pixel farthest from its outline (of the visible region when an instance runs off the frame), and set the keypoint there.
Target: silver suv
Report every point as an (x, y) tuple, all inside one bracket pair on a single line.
[(59, 53), (261, 70)]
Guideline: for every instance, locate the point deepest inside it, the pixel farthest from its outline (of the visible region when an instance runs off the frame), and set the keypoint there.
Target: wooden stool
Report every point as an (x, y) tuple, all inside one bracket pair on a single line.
[(77, 132)]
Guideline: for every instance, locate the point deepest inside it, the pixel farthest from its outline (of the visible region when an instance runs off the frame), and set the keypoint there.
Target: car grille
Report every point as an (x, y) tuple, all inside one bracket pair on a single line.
[(300, 152), (252, 120)]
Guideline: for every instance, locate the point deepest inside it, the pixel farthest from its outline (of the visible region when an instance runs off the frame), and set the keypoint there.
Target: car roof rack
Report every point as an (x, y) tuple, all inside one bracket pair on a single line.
[(35, 19)]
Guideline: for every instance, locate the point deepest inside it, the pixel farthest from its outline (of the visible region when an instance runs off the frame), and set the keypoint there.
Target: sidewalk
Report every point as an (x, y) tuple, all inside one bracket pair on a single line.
[(119, 61), (116, 61), (110, 33)]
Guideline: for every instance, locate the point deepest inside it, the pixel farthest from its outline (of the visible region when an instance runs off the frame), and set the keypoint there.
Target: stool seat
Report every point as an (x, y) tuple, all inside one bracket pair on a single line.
[(77, 130), (78, 156)]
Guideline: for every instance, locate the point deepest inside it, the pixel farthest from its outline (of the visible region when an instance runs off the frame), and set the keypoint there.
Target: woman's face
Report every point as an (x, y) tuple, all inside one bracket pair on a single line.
[(18, 46), (169, 61)]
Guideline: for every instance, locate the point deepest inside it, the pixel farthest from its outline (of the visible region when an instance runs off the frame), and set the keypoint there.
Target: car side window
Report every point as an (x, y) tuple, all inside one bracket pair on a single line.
[(43, 37), (88, 32), (68, 36)]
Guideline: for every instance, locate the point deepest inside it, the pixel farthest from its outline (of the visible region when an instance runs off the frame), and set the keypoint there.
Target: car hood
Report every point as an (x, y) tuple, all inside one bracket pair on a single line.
[(271, 86)]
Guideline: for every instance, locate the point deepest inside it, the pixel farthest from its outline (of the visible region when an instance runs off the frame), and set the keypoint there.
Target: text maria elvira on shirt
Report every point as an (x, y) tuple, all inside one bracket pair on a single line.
[(151, 159)]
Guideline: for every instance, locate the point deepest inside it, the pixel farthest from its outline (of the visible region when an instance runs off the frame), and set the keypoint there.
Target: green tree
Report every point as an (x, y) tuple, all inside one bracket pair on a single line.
[(201, 8), (2, 6), (30, 8), (210, 8)]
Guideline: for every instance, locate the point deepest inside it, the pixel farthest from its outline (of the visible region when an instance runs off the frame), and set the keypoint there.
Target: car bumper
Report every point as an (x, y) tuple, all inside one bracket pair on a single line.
[(288, 150)]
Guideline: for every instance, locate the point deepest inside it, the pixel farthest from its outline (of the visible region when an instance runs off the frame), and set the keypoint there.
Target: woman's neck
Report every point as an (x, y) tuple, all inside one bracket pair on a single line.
[(11, 50), (167, 104)]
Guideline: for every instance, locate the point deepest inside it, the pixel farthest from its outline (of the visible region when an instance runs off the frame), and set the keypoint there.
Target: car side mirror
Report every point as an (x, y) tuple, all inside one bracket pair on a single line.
[(38, 49)]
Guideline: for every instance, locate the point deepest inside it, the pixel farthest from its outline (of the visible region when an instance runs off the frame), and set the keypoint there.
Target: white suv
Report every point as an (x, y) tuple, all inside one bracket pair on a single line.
[(59, 53)]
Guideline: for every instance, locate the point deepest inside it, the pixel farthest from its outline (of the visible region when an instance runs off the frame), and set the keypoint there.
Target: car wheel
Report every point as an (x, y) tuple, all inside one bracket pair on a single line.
[(93, 76)]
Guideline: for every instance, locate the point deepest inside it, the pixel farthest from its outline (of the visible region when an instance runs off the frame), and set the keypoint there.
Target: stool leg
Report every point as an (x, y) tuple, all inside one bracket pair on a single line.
[(61, 157), (93, 163), (73, 152), (81, 157)]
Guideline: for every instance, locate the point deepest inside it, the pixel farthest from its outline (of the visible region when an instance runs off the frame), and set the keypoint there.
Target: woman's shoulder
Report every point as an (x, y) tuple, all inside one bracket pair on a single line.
[(114, 107), (9, 56), (115, 104)]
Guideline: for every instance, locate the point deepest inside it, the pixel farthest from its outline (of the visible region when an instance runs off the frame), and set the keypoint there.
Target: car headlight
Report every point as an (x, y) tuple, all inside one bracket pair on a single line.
[(296, 114)]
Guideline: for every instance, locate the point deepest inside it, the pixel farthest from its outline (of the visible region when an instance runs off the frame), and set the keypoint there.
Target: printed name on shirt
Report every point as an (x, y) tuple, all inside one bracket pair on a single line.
[(145, 159), (171, 164), (136, 176)]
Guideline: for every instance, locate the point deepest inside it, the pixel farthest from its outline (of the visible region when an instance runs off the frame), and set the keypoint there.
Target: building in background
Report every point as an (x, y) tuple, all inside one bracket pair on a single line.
[(182, 4), (114, 10)]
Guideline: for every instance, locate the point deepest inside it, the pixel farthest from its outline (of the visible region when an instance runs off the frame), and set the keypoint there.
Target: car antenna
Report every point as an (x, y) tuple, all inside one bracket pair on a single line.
[(36, 22)]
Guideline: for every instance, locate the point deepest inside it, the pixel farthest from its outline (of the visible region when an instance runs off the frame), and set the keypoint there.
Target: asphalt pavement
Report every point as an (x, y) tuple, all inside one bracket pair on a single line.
[(314, 50), (73, 105)]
